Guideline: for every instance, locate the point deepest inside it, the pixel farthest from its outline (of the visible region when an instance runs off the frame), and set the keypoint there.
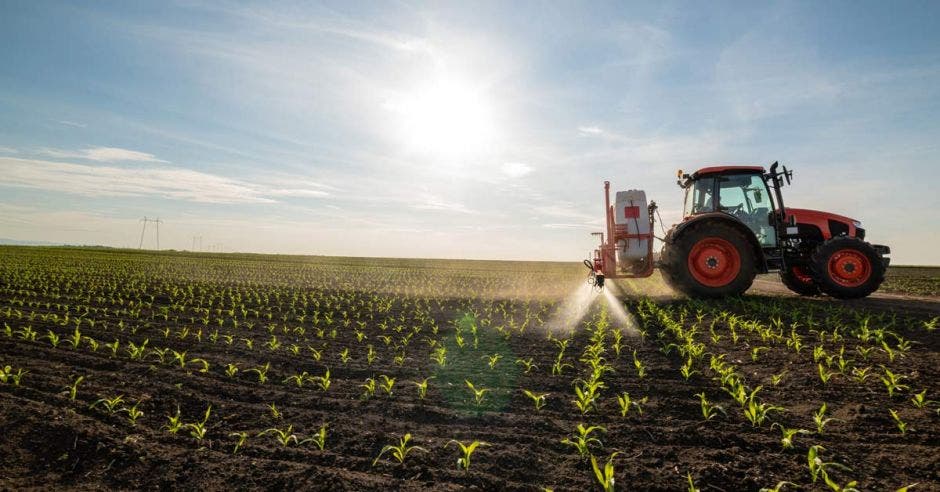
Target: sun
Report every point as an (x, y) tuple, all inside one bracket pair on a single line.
[(445, 118)]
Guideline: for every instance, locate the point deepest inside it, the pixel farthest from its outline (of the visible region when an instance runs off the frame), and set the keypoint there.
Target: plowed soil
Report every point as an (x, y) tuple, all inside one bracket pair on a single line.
[(53, 442)]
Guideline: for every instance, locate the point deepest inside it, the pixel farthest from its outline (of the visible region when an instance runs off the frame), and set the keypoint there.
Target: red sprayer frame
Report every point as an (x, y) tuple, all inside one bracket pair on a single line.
[(605, 257)]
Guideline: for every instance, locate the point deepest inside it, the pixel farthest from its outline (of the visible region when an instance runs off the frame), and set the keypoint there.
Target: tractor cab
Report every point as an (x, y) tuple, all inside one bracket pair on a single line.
[(738, 191)]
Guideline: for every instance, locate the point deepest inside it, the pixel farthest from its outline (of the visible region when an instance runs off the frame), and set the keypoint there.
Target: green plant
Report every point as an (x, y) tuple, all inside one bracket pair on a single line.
[(399, 451), (478, 394), (198, 429), (638, 364), (422, 388), (902, 425), (755, 411), (892, 381), (819, 418), (231, 370), (527, 364), (73, 388), (605, 477), (241, 439), (537, 400), (626, 403), (779, 487), (323, 382), (920, 400), (369, 387), (709, 410), (824, 375), (275, 413), (787, 434), (261, 371), (466, 450), (133, 413), (175, 422), (582, 440), (285, 437), (318, 439), (387, 384), (819, 468), (110, 404)]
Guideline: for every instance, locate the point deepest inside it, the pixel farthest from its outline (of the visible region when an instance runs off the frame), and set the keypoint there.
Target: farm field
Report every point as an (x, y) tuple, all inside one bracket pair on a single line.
[(127, 369)]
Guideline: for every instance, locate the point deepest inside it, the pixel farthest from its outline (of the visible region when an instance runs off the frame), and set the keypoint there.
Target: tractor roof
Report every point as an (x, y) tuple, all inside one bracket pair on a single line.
[(728, 169)]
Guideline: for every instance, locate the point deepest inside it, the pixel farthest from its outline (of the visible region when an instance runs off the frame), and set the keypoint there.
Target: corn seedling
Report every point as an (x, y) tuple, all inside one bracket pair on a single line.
[(824, 375), (440, 356), (626, 403), (241, 439), (892, 381), (902, 425), (422, 388), (478, 394), (400, 451), (323, 382), (275, 413), (709, 410), (755, 411), (819, 468), (492, 360), (692, 487), (605, 476), (261, 371), (198, 429), (298, 379), (920, 400), (133, 413), (787, 434), (285, 437), (318, 439), (231, 370), (638, 364), (779, 487), (369, 387), (73, 388), (819, 418), (387, 384), (175, 422), (110, 404), (583, 439), (537, 400), (466, 450)]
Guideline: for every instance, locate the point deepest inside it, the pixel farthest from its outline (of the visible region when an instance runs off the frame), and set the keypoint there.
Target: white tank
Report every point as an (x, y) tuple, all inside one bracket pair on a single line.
[(631, 213)]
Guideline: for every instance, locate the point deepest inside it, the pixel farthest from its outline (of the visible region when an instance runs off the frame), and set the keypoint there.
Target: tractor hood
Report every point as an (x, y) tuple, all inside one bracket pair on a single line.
[(826, 224), (813, 215)]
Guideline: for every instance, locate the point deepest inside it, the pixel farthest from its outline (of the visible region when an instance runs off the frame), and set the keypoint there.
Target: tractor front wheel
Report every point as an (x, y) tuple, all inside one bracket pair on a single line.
[(798, 280), (847, 268), (709, 260)]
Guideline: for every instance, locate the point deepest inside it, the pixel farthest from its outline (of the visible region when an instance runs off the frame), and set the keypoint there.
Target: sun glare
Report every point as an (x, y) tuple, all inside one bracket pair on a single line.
[(446, 118)]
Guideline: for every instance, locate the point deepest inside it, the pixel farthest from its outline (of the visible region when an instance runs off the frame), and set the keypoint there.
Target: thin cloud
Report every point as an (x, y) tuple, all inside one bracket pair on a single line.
[(172, 183), (590, 130), (103, 154), (72, 123), (516, 169)]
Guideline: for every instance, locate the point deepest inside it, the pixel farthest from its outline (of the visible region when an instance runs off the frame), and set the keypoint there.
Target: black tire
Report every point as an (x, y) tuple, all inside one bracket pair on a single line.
[(675, 261), (793, 282), (851, 252)]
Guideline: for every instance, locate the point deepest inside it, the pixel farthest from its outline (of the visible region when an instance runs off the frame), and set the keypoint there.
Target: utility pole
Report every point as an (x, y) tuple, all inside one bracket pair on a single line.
[(156, 224)]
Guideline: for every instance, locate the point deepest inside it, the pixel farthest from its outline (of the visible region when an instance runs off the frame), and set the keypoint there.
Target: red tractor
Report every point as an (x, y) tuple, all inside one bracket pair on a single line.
[(735, 226)]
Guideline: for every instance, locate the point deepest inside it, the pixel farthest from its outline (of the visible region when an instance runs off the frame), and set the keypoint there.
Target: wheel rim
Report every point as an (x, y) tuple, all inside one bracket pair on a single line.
[(849, 268), (714, 262), (800, 274)]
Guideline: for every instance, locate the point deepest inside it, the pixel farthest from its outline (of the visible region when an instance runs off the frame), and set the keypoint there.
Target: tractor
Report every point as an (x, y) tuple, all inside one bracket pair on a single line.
[(734, 226)]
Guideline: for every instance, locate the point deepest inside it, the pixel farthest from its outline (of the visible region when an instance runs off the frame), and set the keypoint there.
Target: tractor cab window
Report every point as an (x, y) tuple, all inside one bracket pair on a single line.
[(746, 197), (699, 197)]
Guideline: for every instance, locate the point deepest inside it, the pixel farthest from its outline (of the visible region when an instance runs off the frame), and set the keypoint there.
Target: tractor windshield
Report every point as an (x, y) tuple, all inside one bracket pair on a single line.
[(745, 196), (699, 197)]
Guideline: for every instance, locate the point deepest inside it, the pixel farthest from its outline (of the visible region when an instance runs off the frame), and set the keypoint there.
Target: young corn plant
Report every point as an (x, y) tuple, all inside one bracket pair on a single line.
[(892, 381), (73, 388), (323, 382), (638, 364), (605, 476), (275, 413), (756, 411), (422, 388), (318, 439), (583, 439), (492, 360), (527, 364), (820, 469), (261, 371), (175, 422), (240, 439), (369, 388), (478, 394), (626, 403), (824, 375), (387, 384), (285, 437), (787, 434), (399, 451), (133, 413), (537, 400), (197, 430), (819, 418), (466, 450), (920, 400), (110, 404), (709, 409), (902, 425)]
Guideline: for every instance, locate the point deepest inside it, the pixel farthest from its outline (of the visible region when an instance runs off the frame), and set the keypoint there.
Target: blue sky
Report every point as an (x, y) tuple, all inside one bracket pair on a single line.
[(453, 129)]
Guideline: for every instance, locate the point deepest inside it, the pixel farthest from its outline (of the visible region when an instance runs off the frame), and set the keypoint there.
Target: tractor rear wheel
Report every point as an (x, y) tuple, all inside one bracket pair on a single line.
[(709, 260), (798, 280), (847, 268)]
